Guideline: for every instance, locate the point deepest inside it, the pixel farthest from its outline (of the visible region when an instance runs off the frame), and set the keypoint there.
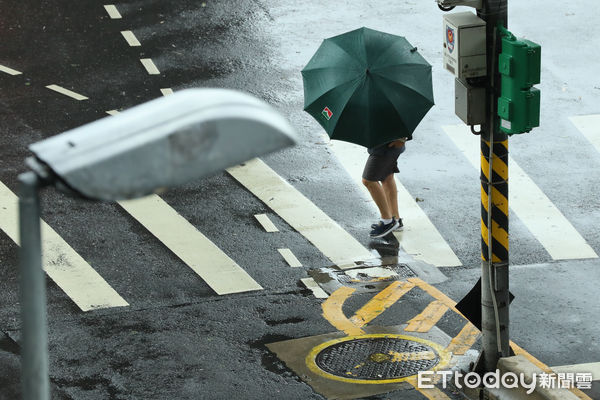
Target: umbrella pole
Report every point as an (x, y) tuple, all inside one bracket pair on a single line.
[(494, 204)]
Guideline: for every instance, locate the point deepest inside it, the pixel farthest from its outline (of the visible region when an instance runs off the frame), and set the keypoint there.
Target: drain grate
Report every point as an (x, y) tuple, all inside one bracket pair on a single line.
[(376, 358)]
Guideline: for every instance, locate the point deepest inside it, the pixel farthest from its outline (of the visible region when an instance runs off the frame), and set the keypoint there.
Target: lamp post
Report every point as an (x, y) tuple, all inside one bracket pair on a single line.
[(163, 143)]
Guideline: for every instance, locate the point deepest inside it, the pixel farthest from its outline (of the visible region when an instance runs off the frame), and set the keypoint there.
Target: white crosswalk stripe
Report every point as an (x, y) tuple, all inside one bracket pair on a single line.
[(589, 125), (300, 213), (217, 269), (63, 265), (547, 224), (419, 237)]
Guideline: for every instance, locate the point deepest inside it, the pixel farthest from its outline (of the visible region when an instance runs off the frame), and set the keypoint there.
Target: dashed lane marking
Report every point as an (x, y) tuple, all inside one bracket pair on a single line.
[(419, 237), (266, 223), (289, 257), (87, 289), (130, 38), (549, 226), (465, 339), (428, 318), (166, 91), (150, 67), (300, 213), (9, 71), (314, 287), (112, 11), (219, 271), (589, 126), (66, 92)]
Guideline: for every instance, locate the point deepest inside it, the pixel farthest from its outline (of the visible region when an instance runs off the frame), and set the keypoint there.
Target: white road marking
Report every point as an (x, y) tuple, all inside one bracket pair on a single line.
[(112, 112), (300, 213), (314, 287), (593, 368), (420, 238), (219, 271), (150, 67), (266, 223), (130, 38), (112, 11), (166, 91), (589, 125), (9, 71), (87, 289), (289, 257), (66, 92), (549, 226)]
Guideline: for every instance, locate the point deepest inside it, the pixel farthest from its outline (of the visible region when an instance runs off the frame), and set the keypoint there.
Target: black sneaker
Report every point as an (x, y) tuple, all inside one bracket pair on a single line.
[(399, 228), (382, 229)]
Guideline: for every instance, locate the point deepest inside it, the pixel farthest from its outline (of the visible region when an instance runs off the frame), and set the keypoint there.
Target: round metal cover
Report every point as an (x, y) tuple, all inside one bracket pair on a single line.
[(376, 358)]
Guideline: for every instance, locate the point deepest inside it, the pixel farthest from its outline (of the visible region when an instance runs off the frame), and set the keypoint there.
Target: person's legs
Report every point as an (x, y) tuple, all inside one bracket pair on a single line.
[(379, 197), (391, 194)]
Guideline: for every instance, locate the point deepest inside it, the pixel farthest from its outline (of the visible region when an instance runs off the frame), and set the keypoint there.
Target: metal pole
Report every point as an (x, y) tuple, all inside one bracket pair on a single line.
[(34, 337), (494, 201)]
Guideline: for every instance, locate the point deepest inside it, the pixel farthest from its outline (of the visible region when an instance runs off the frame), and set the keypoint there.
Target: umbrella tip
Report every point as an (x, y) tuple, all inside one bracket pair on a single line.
[(413, 49)]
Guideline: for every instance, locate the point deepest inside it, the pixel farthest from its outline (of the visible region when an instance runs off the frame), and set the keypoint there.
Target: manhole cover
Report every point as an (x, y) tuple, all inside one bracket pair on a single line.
[(376, 358)]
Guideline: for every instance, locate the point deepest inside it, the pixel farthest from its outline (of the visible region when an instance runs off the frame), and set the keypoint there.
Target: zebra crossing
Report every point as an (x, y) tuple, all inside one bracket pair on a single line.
[(421, 239)]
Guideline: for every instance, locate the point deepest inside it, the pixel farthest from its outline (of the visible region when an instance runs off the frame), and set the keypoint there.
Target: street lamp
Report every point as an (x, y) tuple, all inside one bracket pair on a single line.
[(146, 149)]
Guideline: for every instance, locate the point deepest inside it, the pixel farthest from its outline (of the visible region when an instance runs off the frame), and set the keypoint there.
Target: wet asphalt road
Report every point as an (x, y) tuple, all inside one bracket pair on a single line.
[(178, 339)]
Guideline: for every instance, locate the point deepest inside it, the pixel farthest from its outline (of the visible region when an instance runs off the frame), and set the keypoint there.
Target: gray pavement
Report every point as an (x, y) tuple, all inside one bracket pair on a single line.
[(178, 339)]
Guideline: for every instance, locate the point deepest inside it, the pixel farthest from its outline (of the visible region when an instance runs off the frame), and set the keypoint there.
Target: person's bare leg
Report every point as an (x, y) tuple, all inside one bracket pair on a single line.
[(379, 197), (391, 194)]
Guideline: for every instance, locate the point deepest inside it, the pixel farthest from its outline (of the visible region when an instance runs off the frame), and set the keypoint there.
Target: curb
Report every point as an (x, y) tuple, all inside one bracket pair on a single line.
[(521, 365)]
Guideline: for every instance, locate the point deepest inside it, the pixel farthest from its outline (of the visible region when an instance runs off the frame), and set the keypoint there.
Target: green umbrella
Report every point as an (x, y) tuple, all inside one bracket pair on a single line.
[(367, 87)]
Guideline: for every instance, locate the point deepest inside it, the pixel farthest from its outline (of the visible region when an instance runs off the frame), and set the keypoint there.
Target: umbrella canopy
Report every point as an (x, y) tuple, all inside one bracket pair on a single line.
[(367, 87)]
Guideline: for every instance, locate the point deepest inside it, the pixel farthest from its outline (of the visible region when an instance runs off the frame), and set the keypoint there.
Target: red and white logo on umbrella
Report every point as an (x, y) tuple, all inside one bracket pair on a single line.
[(327, 113)]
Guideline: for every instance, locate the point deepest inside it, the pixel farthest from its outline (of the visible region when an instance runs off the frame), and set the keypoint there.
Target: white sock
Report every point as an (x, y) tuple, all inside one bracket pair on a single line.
[(386, 221)]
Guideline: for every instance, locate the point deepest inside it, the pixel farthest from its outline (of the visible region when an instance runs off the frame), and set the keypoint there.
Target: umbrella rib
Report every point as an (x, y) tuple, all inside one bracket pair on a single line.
[(353, 58), (404, 86), (329, 91)]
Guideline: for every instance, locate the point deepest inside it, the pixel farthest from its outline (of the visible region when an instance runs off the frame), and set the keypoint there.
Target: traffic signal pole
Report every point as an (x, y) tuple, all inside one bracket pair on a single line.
[(494, 202)]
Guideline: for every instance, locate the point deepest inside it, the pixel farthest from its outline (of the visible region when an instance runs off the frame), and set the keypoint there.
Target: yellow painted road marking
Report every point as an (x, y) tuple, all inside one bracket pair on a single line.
[(381, 302), (314, 287), (428, 318), (219, 271), (87, 289), (589, 125), (9, 71), (130, 38), (465, 339), (420, 355), (549, 226), (419, 237), (166, 91), (436, 293), (289, 257), (66, 92), (593, 368), (112, 11), (300, 213), (149, 65), (332, 311), (266, 223)]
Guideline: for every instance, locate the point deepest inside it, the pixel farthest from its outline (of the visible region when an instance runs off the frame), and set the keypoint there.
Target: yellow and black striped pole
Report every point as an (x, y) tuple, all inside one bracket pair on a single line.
[(494, 202)]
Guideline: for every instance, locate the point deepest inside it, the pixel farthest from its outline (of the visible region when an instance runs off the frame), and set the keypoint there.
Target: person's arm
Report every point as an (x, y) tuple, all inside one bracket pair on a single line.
[(398, 143)]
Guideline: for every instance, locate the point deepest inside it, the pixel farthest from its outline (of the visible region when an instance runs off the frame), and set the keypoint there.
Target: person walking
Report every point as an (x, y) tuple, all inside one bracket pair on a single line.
[(378, 177)]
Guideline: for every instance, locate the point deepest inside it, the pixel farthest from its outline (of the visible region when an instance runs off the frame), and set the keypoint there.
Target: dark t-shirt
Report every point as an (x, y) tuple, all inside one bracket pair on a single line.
[(383, 149)]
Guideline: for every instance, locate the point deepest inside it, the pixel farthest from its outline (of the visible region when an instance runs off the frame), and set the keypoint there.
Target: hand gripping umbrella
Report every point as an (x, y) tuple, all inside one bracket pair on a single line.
[(367, 87)]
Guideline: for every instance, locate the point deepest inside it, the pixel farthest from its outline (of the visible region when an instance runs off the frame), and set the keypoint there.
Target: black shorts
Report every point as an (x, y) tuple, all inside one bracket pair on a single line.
[(382, 163)]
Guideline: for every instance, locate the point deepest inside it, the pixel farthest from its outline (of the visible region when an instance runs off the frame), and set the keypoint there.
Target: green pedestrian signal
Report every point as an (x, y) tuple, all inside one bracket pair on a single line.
[(520, 66)]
